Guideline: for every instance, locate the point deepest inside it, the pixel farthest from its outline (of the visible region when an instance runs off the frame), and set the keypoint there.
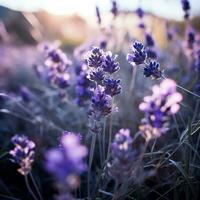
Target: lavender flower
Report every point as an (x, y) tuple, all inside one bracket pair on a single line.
[(190, 39), (110, 64), (97, 75), (95, 58), (149, 40), (153, 70), (140, 13), (66, 162), (186, 8), (112, 86), (163, 103), (123, 156), (114, 9), (98, 15), (101, 103), (137, 55), (23, 153), (55, 67)]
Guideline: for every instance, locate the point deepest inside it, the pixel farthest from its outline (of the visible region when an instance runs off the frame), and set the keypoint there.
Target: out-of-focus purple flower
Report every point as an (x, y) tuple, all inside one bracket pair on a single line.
[(163, 103), (190, 37), (23, 153), (98, 15), (79, 135), (110, 64), (112, 86), (103, 43), (137, 55), (149, 41), (153, 70), (122, 144), (151, 53), (186, 8), (95, 58), (114, 9), (123, 156), (66, 162), (101, 103), (55, 67), (140, 12)]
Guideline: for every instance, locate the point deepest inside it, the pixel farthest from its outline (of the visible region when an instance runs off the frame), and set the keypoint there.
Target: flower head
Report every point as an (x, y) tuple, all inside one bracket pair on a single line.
[(163, 103), (110, 64), (112, 86), (153, 70), (186, 8), (101, 103), (95, 58), (149, 40), (23, 153), (66, 162), (114, 9), (140, 13), (137, 55)]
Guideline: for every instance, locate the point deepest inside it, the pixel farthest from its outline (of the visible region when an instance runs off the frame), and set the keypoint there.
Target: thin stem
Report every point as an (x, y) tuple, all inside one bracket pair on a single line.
[(132, 84), (29, 188), (110, 129), (90, 161), (186, 90), (36, 187), (104, 139)]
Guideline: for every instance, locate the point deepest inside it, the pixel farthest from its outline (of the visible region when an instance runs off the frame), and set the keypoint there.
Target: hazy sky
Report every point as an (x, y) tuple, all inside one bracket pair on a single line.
[(165, 8)]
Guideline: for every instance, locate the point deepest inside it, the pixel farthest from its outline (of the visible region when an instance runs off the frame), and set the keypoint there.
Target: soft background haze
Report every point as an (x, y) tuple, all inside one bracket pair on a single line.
[(166, 8)]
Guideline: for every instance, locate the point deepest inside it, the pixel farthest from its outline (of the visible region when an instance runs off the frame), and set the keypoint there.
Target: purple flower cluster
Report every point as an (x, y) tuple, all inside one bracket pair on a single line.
[(150, 44), (23, 153), (102, 66), (66, 162), (55, 67), (114, 9), (140, 13), (152, 69), (163, 103), (123, 156), (139, 55), (186, 8)]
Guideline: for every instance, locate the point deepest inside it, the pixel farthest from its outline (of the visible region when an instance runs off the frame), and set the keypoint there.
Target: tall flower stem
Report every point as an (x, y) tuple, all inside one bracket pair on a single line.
[(29, 188), (90, 161), (110, 129), (36, 187), (104, 139), (132, 84)]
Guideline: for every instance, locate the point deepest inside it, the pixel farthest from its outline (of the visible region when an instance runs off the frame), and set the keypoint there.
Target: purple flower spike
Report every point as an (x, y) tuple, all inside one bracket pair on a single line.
[(95, 58), (153, 70), (163, 103), (23, 153), (110, 64), (112, 86), (101, 103), (66, 162), (137, 55)]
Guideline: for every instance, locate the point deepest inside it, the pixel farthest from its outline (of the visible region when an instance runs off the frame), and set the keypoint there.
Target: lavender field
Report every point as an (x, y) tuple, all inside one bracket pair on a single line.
[(100, 101)]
